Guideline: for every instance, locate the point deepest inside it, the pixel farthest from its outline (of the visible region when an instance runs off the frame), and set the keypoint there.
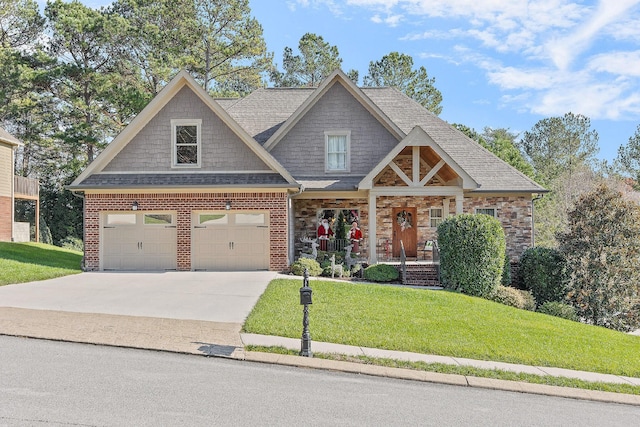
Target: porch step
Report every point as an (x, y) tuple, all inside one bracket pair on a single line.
[(420, 274)]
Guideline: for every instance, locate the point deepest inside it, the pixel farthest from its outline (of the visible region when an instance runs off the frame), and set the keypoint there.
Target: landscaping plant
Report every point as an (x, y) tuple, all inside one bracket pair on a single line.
[(472, 253), (301, 264), (381, 273), (542, 271), (602, 249)]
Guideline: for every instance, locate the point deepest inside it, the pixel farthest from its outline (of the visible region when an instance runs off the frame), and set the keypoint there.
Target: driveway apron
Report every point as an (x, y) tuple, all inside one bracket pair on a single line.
[(208, 296)]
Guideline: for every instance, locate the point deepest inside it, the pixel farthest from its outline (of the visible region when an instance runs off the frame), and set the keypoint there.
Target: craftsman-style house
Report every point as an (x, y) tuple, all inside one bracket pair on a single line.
[(234, 184)]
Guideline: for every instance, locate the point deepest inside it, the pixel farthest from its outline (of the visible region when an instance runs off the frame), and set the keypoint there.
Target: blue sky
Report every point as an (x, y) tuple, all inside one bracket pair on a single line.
[(498, 63)]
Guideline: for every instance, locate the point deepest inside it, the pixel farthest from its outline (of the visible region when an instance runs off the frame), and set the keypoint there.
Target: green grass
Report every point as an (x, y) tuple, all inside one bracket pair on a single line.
[(443, 323), (27, 262), (465, 370)]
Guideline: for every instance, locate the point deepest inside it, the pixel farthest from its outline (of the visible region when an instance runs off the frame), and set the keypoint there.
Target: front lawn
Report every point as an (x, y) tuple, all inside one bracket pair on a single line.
[(443, 323), (28, 262)]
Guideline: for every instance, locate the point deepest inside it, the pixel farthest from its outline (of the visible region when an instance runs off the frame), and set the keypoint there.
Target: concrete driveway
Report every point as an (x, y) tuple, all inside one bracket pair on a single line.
[(226, 297)]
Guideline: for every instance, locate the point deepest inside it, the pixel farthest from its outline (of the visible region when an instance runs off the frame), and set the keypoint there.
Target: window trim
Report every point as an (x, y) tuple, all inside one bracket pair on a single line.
[(495, 211), (431, 218), (174, 143), (347, 162)]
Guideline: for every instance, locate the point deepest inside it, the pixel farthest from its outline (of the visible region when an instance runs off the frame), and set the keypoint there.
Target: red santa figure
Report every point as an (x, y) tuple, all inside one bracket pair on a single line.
[(355, 235), (324, 232)]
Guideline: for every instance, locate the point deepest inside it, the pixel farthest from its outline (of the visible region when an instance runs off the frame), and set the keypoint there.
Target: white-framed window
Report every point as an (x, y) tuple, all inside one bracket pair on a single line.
[(436, 216), (186, 141), (160, 219), (486, 211), (337, 151)]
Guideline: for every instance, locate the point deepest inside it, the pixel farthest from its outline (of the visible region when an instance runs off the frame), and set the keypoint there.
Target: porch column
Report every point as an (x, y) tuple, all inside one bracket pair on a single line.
[(373, 235), (459, 200)]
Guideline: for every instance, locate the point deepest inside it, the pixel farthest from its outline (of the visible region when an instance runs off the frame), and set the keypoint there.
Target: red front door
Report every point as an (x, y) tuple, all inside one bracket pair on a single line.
[(405, 230)]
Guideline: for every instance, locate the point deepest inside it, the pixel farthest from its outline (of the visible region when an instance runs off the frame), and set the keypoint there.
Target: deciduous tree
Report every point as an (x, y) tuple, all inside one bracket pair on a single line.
[(602, 249)]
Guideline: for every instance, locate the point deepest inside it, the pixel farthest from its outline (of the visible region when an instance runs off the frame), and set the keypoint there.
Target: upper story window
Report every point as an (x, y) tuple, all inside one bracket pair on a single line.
[(186, 142), (486, 211), (337, 151)]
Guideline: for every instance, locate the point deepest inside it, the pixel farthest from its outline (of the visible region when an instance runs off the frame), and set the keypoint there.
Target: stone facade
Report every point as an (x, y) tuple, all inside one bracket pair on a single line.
[(514, 212), (184, 204)]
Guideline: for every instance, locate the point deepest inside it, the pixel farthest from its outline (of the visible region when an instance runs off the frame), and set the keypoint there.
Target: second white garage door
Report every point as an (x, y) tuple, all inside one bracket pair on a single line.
[(230, 241)]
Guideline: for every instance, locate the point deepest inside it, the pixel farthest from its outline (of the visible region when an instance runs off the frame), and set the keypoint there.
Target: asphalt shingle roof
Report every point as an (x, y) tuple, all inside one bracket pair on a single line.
[(106, 180), (265, 110)]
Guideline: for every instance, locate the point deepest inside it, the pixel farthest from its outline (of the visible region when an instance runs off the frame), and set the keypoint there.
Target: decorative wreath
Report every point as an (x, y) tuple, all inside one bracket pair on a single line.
[(404, 220)]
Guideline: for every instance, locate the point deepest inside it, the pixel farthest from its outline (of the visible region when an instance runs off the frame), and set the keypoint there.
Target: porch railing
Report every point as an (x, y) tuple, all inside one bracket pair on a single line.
[(26, 188)]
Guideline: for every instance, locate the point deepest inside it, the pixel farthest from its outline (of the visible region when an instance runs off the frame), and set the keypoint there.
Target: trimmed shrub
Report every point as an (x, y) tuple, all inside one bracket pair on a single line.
[(542, 271), (513, 297), (529, 300), (312, 265), (506, 271), (381, 273), (472, 253), (559, 309)]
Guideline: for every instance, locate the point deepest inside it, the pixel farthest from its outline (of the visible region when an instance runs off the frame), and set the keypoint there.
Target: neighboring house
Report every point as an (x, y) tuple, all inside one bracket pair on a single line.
[(196, 183), (11, 188)]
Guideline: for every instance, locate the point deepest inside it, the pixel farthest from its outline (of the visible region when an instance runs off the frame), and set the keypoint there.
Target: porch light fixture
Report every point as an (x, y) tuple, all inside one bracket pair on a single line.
[(228, 205), (134, 206)]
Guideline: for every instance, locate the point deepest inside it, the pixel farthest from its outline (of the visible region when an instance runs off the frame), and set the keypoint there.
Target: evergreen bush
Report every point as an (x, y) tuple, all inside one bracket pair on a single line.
[(542, 271), (73, 243), (513, 297), (559, 309), (381, 273), (506, 271), (472, 253), (312, 265)]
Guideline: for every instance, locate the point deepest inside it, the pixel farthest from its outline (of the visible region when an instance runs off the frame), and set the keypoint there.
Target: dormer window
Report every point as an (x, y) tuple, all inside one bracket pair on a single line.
[(337, 151), (186, 141)]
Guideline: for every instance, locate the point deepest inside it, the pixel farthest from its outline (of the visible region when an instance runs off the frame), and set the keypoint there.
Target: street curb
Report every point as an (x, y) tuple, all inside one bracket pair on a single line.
[(381, 371), (439, 378)]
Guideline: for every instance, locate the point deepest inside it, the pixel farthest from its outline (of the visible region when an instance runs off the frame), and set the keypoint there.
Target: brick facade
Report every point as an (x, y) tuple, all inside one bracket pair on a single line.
[(184, 204)]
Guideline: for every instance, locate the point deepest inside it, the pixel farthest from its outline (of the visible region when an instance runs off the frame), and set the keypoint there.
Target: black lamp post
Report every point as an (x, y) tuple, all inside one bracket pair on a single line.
[(305, 300)]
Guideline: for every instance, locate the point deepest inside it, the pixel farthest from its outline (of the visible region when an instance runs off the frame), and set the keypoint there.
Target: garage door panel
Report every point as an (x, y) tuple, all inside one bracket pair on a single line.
[(230, 241), (130, 242)]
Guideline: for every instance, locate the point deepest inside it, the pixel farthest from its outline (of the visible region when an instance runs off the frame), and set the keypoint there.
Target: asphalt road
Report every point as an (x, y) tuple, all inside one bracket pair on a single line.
[(46, 383)]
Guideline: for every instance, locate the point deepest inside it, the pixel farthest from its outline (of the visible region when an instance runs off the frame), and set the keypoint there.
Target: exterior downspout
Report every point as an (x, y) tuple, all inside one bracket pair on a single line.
[(292, 225)]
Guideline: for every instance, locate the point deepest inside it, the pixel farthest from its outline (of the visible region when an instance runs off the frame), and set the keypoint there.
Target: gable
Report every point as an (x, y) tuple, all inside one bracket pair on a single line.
[(223, 147), (418, 162), (302, 149), (150, 150)]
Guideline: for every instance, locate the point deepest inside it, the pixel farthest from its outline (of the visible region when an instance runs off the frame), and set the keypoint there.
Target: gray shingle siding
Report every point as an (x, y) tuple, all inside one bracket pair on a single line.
[(150, 149), (302, 150)]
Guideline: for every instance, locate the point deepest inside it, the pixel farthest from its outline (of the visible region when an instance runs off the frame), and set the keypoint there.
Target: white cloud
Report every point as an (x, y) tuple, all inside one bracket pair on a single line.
[(564, 50), (392, 20), (618, 63), (547, 56)]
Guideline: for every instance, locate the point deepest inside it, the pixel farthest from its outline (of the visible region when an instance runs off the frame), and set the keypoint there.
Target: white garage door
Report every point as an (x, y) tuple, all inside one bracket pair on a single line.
[(139, 241), (230, 241)]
